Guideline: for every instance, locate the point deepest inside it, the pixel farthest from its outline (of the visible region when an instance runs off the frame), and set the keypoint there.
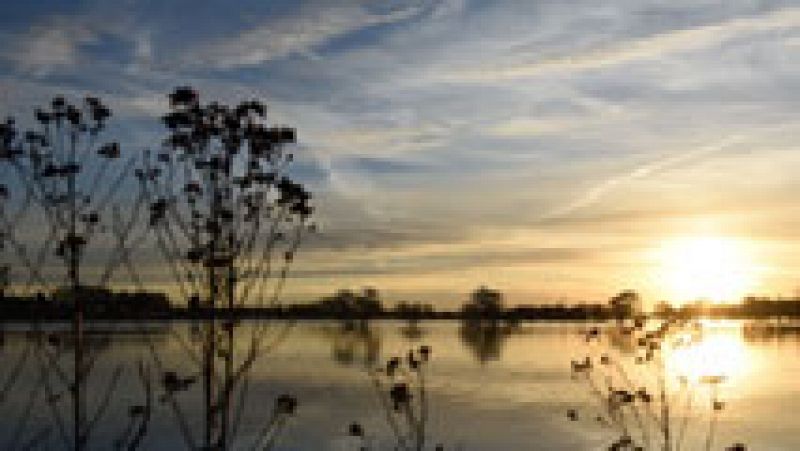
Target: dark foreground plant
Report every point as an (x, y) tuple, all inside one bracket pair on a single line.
[(400, 387), (65, 179), (638, 399), (228, 221)]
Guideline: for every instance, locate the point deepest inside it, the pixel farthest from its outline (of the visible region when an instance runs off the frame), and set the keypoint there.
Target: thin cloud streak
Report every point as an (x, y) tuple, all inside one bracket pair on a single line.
[(600, 190), (626, 52), (300, 34)]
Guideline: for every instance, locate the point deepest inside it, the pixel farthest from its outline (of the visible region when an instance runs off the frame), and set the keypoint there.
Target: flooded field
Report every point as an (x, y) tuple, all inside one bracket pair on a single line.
[(485, 387)]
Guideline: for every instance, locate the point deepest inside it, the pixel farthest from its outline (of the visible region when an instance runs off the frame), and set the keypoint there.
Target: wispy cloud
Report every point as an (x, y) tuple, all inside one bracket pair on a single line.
[(385, 140), (674, 161), (632, 50), (299, 33), (647, 170), (48, 46), (530, 127)]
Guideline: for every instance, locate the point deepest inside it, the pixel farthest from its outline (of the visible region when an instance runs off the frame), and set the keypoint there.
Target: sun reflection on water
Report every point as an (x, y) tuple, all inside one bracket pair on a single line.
[(714, 353)]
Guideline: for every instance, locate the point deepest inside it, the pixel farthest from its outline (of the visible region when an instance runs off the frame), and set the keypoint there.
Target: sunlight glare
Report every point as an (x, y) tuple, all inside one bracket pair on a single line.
[(709, 268), (720, 355)]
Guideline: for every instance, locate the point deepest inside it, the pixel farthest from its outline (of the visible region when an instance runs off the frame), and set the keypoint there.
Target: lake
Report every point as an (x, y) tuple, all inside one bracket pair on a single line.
[(486, 387)]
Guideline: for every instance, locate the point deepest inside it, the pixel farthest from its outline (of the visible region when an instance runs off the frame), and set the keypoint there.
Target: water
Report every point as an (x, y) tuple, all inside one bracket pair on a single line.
[(487, 388)]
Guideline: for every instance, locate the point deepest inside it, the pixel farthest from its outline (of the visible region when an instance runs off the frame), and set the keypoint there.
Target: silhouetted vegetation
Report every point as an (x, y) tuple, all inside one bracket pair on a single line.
[(222, 211), (626, 304), (403, 394), (349, 304), (643, 405), (98, 303), (66, 179), (750, 307), (484, 303), (104, 303), (228, 221)]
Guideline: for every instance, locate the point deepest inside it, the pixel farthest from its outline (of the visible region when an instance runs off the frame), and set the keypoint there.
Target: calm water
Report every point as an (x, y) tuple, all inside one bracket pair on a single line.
[(487, 388)]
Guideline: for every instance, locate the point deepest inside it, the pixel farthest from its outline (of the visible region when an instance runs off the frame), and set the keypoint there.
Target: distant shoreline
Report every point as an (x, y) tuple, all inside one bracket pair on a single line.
[(101, 304), (253, 314)]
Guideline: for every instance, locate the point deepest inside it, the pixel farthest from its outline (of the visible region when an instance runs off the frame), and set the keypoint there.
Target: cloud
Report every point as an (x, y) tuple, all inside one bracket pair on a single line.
[(643, 171), (427, 263), (153, 105), (48, 46), (299, 33), (533, 127), (649, 170), (422, 124), (376, 140), (631, 50), (530, 127)]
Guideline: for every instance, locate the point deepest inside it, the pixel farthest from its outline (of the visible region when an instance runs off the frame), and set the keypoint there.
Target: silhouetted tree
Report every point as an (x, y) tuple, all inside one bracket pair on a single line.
[(228, 220), (66, 181), (225, 213), (484, 302), (626, 304), (64, 168), (349, 304), (664, 309)]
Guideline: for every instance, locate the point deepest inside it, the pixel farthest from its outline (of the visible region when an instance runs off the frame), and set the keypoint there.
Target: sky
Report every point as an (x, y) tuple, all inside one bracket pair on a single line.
[(560, 151)]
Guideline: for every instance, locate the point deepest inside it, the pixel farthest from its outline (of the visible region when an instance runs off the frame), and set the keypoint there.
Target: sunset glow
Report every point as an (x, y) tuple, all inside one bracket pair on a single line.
[(709, 268), (400, 224)]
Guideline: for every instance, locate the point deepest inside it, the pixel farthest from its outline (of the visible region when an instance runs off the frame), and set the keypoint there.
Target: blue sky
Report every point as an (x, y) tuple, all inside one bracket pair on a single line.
[(548, 148)]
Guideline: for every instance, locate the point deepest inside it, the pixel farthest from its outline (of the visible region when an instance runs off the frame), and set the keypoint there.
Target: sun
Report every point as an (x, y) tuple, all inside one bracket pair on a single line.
[(710, 268)]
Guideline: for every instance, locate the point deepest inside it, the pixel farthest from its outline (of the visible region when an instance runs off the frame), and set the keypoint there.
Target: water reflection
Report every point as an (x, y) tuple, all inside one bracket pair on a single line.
[(761, 331), (518, 400), (97, 387), (355, 343), (221, 354), (717, 351), (412, 331), (61, 390), (485, 338), (658, 384)]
